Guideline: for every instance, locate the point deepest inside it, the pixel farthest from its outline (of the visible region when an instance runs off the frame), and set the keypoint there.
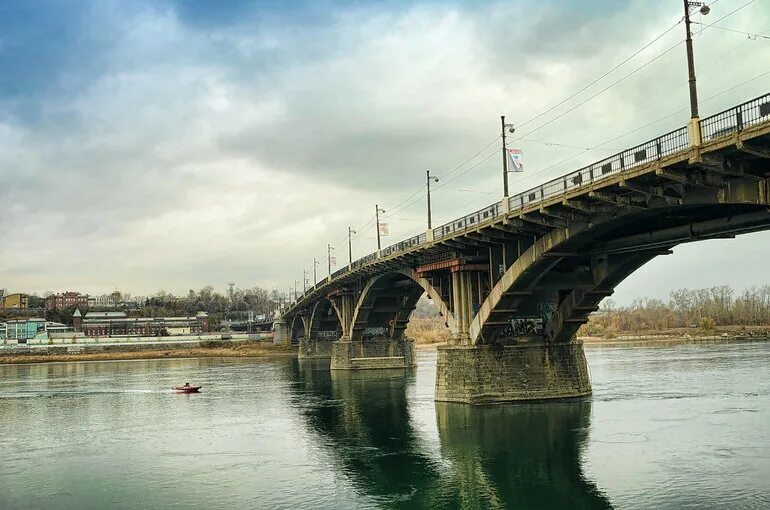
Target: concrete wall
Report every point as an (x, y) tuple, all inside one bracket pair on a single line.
[(497, 373)]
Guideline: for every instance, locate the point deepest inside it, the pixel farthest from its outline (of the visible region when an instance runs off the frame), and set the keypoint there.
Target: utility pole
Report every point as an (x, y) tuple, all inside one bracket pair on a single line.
[(315, 278), (435, 179), (295, 289), (505, 159), (690, 59), (304, 281), (329, 257), (377, 212), (350, 245)]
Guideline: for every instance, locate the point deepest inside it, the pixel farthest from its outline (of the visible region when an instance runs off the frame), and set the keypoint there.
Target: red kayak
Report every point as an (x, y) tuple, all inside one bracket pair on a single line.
[(186, 389)]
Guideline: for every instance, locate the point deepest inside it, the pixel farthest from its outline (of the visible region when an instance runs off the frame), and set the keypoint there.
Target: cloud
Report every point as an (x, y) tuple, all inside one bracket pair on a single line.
[(163, 145)]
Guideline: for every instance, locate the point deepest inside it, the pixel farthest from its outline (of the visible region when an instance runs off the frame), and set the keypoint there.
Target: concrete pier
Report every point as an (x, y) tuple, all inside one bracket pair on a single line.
[(485, 374), (315, 348), (372, 354)]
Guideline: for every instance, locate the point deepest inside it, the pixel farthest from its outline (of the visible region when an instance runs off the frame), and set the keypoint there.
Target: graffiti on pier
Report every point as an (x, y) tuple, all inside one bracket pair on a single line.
[(523, 326), (375, 331), (328, 333)]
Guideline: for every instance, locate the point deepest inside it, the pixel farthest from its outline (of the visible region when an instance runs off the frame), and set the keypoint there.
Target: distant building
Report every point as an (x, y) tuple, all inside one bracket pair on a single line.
[(16, 300), (21, 330), (67, 299), (103, 301), (118, 324)]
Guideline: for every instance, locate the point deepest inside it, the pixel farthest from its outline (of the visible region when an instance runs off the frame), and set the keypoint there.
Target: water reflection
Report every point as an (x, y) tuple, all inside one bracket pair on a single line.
[(513, 456), (517, 456), (362, 418)]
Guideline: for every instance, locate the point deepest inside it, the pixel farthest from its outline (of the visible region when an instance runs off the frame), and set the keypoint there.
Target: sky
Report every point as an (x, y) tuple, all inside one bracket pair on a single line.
[(172, 144)]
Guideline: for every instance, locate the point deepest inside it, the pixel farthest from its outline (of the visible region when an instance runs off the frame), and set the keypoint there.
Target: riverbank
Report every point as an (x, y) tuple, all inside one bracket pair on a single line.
[(210, 349), (641, 341)]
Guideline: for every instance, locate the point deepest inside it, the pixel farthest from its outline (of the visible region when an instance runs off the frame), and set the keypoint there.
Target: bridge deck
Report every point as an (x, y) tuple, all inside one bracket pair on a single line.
[(730, 128)]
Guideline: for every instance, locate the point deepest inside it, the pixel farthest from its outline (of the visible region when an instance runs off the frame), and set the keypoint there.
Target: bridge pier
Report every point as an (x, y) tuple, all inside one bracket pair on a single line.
[(315, 347), (281, 332), (372, 354), (484, 374)]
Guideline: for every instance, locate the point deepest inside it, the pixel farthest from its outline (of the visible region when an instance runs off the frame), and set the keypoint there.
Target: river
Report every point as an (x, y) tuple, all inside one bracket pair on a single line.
[(673, 427)]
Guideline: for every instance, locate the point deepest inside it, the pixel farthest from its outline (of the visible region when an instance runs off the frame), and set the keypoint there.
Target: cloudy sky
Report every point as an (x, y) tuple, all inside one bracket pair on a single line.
[(164, 144)]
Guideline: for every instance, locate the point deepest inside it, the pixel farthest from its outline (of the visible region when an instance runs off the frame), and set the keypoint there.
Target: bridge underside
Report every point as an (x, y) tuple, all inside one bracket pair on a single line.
[(515, 282)]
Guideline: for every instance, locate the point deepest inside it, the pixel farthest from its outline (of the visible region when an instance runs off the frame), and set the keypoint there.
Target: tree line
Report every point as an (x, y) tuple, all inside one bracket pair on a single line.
[(704, 308)]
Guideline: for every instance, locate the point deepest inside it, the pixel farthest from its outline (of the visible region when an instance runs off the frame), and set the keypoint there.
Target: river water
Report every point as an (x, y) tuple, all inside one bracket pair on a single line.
[(675, 427)]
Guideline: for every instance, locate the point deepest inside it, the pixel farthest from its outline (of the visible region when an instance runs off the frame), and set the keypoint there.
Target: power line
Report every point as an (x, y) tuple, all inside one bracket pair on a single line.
[(749, 34), (637, 52), (575, 107)]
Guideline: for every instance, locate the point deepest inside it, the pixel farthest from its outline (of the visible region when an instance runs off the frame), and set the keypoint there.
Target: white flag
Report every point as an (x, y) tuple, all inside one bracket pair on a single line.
[(515, 160), (384, 229), (333, 261)]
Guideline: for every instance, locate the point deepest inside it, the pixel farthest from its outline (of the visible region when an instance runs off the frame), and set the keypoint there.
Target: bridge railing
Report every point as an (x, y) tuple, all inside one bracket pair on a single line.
[(651, 150), (468, 221), (735, 119), (404, 245)]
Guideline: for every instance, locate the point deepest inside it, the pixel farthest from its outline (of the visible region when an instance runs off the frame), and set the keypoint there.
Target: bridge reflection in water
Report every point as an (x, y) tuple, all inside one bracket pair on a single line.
[(506, 456)]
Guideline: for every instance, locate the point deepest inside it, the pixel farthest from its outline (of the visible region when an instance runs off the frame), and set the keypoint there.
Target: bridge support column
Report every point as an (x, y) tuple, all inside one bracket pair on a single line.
[(485, 374), (315, 347), (281, 332), (462, 305), (371, 354)]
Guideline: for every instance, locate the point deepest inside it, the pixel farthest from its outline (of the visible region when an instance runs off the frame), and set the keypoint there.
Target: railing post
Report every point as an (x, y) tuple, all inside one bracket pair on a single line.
[(693, 132)]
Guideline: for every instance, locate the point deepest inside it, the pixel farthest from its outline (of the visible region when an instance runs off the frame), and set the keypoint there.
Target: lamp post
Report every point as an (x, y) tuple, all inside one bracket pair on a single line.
[(304, 281), (315, 278), (704, 9), (511, 129), (377, 212), (329, 257), (350, 245), (435, 179)]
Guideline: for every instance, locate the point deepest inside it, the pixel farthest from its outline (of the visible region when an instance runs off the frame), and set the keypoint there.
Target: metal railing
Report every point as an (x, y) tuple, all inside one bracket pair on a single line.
[(735, 119), (722, 124), (655, 149)]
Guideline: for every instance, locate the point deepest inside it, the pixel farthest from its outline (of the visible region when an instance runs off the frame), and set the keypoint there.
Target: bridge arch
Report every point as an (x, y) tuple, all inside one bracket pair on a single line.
[(387, 301), (325, 317), (298, 328), (571, 269)]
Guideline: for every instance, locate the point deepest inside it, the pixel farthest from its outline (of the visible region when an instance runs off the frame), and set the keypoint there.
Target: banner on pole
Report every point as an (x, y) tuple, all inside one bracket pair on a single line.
[(384, 230), (515, 160), (333, 261)]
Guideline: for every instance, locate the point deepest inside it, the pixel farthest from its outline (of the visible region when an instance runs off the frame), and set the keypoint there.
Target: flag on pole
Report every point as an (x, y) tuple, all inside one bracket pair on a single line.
[(515, 160), (384, 229), (333, 261)]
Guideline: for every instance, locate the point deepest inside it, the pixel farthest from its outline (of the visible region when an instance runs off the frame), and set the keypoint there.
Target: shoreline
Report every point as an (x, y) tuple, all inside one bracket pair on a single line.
[(254, 349), (237, 350)]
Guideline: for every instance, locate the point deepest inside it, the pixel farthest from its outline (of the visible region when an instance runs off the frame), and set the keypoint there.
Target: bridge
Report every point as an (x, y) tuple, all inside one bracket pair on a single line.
[(515, 280)]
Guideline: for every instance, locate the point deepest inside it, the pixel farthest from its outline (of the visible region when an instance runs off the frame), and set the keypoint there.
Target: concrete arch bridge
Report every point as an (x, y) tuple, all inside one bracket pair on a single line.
[(515, 280)]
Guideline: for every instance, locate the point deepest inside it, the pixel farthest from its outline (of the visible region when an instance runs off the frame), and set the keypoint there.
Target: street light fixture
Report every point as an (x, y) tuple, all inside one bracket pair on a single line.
[(435, 179)]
